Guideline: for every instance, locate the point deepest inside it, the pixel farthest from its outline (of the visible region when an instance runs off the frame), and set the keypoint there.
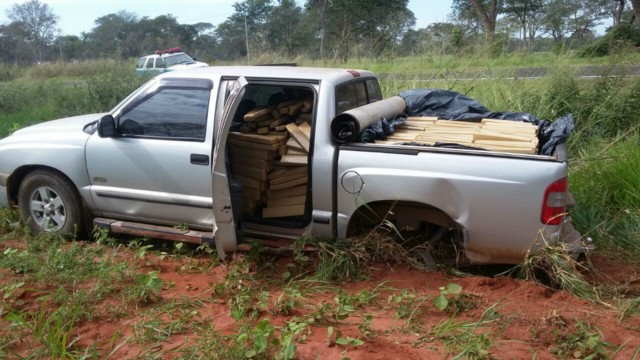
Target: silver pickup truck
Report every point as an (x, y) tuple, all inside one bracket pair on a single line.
[(160, 164)]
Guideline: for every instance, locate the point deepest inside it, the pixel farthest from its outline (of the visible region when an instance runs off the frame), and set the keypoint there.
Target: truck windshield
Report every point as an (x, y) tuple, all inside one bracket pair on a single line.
[(178, 59)]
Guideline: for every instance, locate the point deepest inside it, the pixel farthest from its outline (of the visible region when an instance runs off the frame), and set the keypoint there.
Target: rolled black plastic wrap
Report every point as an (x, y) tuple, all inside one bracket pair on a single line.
[(347, 126)]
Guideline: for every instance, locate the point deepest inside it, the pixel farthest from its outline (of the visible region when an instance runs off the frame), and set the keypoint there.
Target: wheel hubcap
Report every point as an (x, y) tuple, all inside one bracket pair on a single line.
[(48, 209)]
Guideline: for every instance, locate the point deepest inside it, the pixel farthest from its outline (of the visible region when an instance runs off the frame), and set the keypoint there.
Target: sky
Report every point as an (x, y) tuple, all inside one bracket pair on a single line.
[(77, 16)]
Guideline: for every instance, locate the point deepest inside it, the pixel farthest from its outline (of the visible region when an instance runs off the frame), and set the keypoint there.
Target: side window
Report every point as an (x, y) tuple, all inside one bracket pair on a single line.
[(149, 63), (361, 93), (357, 93), (346, 98), (373, 89), (140, 63), (172, 113), (159, 62)]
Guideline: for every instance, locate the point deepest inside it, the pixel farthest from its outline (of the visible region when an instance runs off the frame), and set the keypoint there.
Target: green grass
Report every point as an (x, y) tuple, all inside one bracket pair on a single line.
[(605, 182), (467, 339), (605, 111), (467, 62), (26, 101), (51, 285)]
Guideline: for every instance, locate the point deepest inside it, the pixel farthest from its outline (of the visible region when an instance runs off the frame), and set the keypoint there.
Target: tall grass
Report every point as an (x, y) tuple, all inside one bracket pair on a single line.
[(27, 101), (606, 183), (464, 62), (605, 110)]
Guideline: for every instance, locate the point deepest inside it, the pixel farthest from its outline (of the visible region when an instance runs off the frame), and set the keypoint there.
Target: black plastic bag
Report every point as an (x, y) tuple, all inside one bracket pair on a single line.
[(450, 105)]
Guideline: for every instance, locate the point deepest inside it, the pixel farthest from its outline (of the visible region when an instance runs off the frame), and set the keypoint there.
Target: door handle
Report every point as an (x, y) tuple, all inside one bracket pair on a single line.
[(200, 159)]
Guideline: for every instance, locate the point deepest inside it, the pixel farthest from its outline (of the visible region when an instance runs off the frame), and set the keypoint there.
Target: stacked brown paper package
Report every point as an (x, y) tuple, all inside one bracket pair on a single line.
[(270, 155), (490, 134)]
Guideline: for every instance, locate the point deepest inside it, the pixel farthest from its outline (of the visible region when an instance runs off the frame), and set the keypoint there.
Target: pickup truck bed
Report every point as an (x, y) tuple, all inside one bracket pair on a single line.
[(493, 198)]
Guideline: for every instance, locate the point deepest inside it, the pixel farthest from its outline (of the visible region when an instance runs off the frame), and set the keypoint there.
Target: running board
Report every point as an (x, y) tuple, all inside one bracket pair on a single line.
[(155, 231)]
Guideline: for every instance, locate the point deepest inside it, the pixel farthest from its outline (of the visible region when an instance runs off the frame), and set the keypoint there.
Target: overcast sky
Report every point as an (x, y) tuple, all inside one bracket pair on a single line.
[(77, 16)]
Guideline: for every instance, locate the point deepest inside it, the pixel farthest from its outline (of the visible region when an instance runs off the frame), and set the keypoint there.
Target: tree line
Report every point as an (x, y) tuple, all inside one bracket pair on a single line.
[(334, 30)]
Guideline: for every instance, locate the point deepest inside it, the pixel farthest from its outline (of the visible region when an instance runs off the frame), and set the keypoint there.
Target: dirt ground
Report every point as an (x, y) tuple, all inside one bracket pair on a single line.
[(390, 315)]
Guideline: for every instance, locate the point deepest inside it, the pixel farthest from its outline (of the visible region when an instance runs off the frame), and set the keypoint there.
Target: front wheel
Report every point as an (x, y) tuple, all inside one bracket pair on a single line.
[(49, 203)]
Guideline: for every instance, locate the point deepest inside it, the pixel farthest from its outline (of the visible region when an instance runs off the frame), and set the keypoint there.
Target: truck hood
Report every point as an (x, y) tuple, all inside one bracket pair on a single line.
[(68, 131)]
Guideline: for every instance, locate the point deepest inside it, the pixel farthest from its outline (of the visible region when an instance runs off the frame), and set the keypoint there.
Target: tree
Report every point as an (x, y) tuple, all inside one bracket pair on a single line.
[(112, 35), (285, 28), (383, 24), (362, 27), (444, 37), (39, 22), (205, 41), (617, 9), (413, 42), (555, 20), (69, 47), (486, 12), (245, 28), (525, 11), (12, 43), (231, 39), (636, 10), (578, 17), (586, 15), (321, 6)]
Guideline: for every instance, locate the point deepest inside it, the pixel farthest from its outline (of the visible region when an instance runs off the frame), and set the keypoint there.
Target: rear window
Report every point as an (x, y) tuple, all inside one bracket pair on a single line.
[(357, 93), (140, 63)]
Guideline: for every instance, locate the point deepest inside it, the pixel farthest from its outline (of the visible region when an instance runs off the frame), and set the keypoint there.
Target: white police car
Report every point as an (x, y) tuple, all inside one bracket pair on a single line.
[(166, 60)]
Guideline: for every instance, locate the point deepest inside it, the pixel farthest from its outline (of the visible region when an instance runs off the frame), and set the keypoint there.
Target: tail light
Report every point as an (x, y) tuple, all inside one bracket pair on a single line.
[(553, 203)]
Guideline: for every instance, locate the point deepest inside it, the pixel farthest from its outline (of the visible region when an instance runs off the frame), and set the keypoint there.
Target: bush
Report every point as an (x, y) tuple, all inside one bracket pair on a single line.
[(12, 97), (620, 37), (8, 72), (107, 90), (563, 95)]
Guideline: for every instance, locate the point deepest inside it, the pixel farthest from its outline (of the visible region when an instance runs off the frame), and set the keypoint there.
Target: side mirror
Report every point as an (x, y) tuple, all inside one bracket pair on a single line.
[(106, 127)]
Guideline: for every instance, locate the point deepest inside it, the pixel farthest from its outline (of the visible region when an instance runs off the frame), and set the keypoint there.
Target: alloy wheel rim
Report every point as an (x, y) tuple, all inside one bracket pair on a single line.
[(47, 209)]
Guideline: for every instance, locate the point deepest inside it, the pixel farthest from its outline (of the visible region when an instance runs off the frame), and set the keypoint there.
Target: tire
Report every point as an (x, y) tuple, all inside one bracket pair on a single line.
[(49, 203)]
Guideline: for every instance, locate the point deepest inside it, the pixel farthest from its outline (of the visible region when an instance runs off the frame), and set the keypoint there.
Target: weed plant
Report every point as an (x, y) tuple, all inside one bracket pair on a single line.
[(66, 280), (466, 339), (352, 258), (586, 342), (553, 265), (10, 223), (629, 308)]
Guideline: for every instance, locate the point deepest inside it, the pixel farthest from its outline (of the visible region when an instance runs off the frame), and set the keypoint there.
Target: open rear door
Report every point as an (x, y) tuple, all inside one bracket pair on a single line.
[(224, 227)]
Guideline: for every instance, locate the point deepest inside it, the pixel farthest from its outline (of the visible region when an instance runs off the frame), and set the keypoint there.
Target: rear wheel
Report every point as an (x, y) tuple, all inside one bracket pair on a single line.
[(49, 203)]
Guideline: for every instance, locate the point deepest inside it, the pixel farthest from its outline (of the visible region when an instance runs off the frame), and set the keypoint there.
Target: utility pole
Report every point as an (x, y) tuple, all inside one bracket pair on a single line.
[(246, 38), (60, 46)]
